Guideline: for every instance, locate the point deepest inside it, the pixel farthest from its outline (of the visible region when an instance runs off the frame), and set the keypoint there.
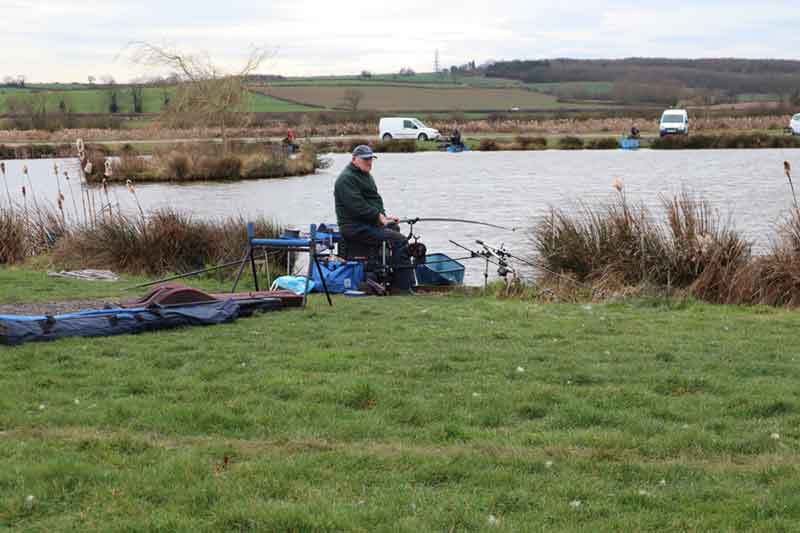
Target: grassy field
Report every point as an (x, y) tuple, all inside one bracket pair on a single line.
[(431, 413), (98, 100), (391, 98)]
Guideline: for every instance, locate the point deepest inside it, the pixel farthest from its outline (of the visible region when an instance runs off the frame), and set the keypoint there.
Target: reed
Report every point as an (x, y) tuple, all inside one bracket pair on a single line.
[(160, 242), (14, 242), (621, 245)]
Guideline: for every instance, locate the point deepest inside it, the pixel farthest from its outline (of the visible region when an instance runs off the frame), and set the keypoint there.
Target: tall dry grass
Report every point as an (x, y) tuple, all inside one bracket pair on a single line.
[(621, 245), (165, 241), (772, 279), (29, 232)]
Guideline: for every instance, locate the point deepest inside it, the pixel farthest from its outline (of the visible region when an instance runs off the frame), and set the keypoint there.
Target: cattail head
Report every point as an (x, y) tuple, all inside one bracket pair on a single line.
[(787, 168), (88, 168), (55, 169), (60, 203), (66, 175), (79, 145), (105, 185), (2, 167), (25, 169), (23, 192), (618, 184), (129, 185), (108, 168), (61, 197)]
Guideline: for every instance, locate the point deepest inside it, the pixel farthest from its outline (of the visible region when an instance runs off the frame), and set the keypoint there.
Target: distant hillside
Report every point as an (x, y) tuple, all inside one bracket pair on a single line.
[(705, 77)]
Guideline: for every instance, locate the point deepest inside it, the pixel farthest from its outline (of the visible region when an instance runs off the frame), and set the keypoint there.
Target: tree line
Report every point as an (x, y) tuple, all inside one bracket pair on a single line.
[(731, 76)]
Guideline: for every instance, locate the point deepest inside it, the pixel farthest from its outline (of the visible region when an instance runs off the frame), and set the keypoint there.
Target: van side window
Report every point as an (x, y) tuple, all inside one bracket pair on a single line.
[(409, 124)]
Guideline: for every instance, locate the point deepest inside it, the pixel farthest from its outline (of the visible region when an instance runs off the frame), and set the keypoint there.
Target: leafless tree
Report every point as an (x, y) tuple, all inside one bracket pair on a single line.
[(108, 79), (204, 90), (91, 79), (352, 99)]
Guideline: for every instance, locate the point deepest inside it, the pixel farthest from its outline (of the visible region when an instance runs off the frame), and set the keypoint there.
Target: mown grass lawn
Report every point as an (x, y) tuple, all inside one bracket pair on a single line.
[(431, 413)]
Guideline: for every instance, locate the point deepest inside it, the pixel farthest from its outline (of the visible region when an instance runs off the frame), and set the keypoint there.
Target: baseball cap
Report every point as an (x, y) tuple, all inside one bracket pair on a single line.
[(362, 151)]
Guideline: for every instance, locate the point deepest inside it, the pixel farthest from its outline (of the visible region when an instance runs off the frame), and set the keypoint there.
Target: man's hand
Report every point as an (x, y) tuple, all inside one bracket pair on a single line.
[(384, 220)]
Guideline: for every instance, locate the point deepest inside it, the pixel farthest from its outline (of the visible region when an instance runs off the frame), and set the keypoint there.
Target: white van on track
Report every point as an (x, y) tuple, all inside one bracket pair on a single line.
[(674, 122), (405, 128), (794, 124)]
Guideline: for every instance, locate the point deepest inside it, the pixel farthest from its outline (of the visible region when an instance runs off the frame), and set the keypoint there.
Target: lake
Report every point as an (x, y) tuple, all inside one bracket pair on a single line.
[(512, 189)]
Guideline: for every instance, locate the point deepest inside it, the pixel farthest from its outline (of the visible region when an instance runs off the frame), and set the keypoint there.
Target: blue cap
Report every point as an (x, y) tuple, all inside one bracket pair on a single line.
[(362, 151)]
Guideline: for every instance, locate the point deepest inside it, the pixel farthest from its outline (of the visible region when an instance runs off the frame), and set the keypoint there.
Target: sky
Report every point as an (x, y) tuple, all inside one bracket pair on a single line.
[(67, 41)]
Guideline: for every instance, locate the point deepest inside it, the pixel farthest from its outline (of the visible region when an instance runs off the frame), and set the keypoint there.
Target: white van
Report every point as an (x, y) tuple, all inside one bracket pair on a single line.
[(405, 128), (794, 125), (674, 122)]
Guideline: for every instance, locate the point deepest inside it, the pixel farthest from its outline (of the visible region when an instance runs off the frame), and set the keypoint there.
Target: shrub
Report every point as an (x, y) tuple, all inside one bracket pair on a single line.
[(570, 143), (404, 146), (530, 143), (603, 143), (488, 145), (212, 167), (178, 165)]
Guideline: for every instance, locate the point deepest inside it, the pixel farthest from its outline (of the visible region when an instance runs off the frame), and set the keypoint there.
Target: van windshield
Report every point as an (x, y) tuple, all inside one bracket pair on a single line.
[(672, 118), (419, 124)]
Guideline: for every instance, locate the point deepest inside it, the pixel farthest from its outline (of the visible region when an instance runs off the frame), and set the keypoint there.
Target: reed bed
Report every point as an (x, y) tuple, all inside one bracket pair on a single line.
[(195, 163), (165, 241), (619, 245)]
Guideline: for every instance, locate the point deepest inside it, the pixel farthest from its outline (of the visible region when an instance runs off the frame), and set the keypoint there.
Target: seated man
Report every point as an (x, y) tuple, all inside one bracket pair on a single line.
[(362, 217), (634, 132), (455, 139)]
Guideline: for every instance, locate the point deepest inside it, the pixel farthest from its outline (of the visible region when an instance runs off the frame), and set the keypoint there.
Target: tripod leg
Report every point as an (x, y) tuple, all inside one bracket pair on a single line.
[(241, 269)]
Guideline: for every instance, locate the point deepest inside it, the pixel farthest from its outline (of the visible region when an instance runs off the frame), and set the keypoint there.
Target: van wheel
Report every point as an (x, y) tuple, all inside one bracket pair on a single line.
[(422, 137), (387, 137)]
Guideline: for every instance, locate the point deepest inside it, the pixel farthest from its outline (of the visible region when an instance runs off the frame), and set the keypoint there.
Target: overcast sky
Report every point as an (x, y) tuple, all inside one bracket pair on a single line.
[(59, 40)]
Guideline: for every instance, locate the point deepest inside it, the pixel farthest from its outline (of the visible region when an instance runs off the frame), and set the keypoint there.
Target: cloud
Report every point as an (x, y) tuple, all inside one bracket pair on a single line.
[(59, 40)]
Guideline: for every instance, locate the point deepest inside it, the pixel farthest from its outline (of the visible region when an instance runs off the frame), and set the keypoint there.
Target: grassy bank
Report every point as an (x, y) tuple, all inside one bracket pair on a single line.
[(478, 413)]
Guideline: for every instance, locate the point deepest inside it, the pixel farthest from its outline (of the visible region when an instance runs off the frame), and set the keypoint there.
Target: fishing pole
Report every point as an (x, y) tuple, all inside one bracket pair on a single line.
[(179, 276), (540, 267), (412, 221)]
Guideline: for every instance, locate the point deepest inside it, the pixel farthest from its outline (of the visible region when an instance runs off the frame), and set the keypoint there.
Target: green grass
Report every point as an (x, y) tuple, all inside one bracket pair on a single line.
[(98, 101), (409, 414)]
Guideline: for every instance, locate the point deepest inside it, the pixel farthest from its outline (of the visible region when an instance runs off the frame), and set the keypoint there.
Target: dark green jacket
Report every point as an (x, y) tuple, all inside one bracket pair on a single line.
[(357, 198)]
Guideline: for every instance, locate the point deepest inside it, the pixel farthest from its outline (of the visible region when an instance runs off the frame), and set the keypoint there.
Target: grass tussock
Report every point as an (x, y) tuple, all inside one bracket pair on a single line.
[(621, 245), (13, 237), (773, 279), (29, 230), (164, 241)]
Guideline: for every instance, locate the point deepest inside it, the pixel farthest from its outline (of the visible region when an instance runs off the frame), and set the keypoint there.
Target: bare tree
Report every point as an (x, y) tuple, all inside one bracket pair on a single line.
[(203, 90), (91, 79), (108, 79), (352, 99)]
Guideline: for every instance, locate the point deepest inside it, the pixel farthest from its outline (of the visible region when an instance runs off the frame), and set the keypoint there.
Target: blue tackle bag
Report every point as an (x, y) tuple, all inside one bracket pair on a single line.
[(340, 276)]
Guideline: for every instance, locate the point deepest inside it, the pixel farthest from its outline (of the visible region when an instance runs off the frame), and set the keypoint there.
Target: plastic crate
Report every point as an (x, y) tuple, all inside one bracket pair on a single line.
[(439, 269)]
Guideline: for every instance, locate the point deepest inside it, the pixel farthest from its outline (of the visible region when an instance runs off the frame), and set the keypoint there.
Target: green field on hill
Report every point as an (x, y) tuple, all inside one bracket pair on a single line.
[(98, 100)]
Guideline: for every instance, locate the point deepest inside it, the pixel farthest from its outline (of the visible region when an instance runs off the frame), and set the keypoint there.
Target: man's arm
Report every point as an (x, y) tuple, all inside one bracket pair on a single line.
[(355, 203)]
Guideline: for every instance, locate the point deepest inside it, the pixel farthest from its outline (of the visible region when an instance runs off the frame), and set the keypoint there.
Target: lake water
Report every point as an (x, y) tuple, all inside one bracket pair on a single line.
[(512, 189)]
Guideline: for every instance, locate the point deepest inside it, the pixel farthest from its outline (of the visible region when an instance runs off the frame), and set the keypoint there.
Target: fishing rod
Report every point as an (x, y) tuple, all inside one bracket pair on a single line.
[(412, 221), (538, 266), (494, 256), (186, 275)]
